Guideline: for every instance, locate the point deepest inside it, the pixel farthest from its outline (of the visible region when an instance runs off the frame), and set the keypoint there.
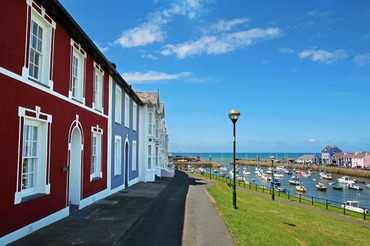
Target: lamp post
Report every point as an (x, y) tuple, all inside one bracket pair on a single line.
[(234, 115), (210, 166), (272, 158)]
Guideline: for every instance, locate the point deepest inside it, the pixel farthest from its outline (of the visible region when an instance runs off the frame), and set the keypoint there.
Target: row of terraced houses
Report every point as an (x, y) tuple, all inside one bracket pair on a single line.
[(72, 130)]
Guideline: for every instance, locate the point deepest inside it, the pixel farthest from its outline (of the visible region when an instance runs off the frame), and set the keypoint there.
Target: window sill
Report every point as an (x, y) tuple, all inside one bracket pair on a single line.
[(32, 197), (38, 82), (117, 175), (95, 178)]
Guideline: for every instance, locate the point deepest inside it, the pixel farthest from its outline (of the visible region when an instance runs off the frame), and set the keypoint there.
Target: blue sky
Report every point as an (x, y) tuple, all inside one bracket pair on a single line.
[(298, 71)]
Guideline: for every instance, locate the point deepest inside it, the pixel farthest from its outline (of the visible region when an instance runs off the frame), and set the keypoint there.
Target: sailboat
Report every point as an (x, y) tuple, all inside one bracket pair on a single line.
[(300, 188), (321, 186)]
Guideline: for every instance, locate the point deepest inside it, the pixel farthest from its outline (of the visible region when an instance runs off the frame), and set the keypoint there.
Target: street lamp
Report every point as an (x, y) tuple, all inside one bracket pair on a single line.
[(272, 158), (210, 166), (234, 115)]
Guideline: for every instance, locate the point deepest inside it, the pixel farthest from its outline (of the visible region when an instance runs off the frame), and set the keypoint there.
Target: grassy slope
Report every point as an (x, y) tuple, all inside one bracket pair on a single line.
[(260, 221)]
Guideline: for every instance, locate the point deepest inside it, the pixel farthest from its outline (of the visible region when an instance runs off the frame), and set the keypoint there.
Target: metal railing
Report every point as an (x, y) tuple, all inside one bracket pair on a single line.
[(300, 196)]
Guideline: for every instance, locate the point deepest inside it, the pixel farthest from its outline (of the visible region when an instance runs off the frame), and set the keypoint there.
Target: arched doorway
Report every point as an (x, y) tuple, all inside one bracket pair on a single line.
[(75, 160), (126, 165)]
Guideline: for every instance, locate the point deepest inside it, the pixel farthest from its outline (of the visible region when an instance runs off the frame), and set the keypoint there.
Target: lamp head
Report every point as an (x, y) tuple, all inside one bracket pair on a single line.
[(234, 115)]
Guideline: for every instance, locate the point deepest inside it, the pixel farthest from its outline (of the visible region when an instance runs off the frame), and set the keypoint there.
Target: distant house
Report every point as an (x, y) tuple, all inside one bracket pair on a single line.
[(308, 159), (361, 160), (151, 115), (347, 159), (327, 152), (336, 159)]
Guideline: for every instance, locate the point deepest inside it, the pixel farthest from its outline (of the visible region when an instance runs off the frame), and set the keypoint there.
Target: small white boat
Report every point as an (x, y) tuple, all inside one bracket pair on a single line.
[(354, 206), (215, 170), (294, 182), (278, 175), (326, 175), (238, 178), (354, 187), (306, 175), (246, 173), (345, 180), (321, 186), (300, 188)]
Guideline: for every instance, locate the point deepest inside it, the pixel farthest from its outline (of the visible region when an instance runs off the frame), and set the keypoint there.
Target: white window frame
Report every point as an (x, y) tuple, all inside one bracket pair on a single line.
[(150, 123), (47, 25), (77, 76), (98, 88), (118, 105), (96, 153), (41, 176), (149, 157), (117, 155), (156, 156), (127, 111), (134, 154), (157, 128), (134, 116)]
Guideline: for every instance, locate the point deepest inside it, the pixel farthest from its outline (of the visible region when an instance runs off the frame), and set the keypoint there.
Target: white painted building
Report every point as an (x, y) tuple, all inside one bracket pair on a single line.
[(152, 154)]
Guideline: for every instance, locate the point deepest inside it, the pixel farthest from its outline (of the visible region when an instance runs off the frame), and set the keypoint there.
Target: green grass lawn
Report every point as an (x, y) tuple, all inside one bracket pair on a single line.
[(261, 221)]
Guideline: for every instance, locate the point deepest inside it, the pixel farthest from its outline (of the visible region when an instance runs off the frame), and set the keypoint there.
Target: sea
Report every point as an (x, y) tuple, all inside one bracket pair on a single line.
[(331, 195), (227, 157)]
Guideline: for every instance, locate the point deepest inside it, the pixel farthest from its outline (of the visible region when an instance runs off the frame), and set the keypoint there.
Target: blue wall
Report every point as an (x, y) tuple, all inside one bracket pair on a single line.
[(123, 132)]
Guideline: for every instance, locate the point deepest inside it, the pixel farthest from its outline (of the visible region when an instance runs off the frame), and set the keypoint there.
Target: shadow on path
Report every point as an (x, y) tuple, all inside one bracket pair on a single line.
[(163, 223)]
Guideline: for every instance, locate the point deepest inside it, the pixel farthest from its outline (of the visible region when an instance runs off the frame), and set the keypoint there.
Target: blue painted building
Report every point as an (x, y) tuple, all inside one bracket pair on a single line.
[(328, 152), (124, 121)]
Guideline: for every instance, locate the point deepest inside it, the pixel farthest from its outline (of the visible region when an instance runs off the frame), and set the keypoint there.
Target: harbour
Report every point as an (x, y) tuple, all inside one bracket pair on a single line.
[(331, 194)]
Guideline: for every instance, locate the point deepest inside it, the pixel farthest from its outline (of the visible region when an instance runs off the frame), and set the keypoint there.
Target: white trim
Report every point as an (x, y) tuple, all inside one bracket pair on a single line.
[(93, 198), (11, 237), (109, 135), (118, 111), (117, 166), (132, 182), (127, 111), (42, 171), (47, 90)]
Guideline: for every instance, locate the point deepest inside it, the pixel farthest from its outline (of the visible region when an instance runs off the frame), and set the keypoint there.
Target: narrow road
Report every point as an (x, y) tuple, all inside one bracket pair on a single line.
[(183, 214)]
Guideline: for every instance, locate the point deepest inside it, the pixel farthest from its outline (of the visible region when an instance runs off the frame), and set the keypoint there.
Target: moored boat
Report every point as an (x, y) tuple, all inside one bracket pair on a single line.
[(321, 186), (326, 175), (280, 189), (345, 180), (306, 175), (336, 187), (354, 187), (278, 175), (215, 170), (361, 181), (300, 188), (354, 206)]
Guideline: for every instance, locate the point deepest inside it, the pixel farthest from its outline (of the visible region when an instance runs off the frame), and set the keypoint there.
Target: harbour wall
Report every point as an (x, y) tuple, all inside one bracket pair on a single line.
[(336, 170)]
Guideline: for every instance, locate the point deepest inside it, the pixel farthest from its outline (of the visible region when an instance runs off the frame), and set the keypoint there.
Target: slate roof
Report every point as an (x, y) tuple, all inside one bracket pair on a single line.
[(359, 155), (339, 155), (148, 97), (307, 157)]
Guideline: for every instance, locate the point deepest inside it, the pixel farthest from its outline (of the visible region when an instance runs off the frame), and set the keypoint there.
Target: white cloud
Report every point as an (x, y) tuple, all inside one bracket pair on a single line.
[(312, 140), (362, 60), (102, 49), (286, 50), (323, 56), (223, 25), (220, 43), (147, 33), (154, 29), (151, 77)]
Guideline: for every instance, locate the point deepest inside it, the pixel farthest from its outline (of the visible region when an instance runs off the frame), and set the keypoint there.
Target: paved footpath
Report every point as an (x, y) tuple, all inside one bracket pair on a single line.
[(168, 211), (203, 224), (182, 215)]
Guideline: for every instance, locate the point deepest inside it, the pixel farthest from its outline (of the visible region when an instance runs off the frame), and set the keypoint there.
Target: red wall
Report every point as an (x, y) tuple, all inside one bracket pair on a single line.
[(12, 39), (14, 93)]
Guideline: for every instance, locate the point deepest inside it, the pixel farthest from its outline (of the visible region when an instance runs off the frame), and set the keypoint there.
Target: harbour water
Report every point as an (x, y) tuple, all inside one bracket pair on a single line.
[(342, 196)]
